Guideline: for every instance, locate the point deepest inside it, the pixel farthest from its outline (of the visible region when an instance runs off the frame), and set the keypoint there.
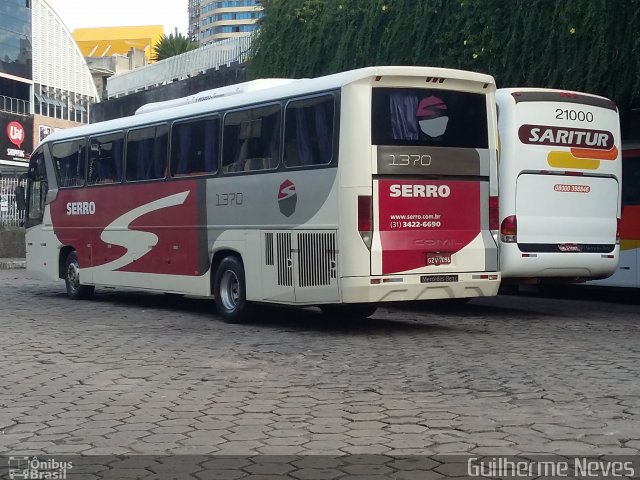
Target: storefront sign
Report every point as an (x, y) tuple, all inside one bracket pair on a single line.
[(16, 137)]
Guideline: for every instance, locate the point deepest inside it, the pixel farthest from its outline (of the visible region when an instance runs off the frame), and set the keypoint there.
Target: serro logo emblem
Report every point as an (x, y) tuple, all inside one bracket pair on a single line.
[(287, 198), (15, 132), (287, 189), (81, 208), (426, 191)]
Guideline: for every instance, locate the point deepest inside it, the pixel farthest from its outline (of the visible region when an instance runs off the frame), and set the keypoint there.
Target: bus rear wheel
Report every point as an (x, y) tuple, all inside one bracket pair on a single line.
[(229, 288), (349, 310), (75, 290)]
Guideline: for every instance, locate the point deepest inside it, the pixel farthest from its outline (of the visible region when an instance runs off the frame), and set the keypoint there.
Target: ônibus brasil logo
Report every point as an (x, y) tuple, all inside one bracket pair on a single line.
[(15, 132), (287, 198)]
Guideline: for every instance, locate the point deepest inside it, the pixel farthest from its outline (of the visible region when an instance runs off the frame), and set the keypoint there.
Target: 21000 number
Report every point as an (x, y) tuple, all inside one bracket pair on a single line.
[(578, 115)]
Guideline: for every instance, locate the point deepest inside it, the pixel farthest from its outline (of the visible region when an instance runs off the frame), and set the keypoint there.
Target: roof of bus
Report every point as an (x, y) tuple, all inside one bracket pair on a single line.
[(509, 91), (299, 87)]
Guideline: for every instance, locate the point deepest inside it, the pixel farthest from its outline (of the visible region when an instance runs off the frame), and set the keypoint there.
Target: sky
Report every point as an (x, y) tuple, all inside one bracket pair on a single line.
[(120, 13)]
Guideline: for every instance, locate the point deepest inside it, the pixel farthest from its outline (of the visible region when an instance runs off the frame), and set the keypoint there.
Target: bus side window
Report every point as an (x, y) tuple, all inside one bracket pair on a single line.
[(69, 159), (194, 147), (251, 139), (105, 159), (308, 133), (147, 153)]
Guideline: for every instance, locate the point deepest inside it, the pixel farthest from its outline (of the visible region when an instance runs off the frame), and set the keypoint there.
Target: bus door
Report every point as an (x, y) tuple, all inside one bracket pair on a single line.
[(40, 240), (431, 182), (566, 213)]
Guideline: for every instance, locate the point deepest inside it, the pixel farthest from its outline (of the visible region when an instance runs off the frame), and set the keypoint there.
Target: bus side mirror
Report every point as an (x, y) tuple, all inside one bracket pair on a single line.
[(21, 201)]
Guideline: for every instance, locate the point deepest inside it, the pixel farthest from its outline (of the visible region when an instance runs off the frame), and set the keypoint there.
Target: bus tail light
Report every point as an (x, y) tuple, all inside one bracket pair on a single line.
[(509, 229), (365, 218), (494, 215), (618, 221)]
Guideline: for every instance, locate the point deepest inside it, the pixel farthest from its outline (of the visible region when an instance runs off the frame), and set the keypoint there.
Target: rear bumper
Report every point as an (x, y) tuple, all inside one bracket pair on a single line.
[(558, 265), (469, 285)]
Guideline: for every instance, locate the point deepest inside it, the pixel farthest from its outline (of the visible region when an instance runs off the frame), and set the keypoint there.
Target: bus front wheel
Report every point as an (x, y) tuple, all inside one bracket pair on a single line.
[(230, 291), (75, 290), (349, 310)]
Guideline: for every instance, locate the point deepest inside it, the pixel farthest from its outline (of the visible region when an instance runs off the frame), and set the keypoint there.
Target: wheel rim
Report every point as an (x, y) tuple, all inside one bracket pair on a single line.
[(73, 276), (229, 290)]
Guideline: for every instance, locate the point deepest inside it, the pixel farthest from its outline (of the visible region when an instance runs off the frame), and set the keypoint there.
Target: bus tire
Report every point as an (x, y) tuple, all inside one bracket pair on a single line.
[(350, 310), (75, 290), (230, 291)]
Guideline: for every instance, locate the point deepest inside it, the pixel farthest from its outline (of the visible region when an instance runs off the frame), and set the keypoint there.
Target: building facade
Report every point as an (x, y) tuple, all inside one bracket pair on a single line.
[(62, 84), (214, 20), (105, 42), (16, 80), (45, 83)]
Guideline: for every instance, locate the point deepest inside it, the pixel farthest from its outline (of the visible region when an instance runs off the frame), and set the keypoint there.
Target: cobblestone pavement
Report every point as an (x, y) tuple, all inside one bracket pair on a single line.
[(137, 373)]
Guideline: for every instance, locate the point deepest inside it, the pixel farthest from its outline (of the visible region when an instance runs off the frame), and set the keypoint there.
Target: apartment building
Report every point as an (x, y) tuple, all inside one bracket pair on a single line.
[(214, 20)]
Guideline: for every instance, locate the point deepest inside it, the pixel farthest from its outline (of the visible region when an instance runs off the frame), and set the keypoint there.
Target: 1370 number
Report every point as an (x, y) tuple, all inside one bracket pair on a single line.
[(228, 199)]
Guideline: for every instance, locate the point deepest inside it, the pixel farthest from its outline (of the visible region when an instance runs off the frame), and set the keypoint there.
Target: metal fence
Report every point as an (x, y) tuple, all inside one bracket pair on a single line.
[(215, 55), (10, 216), (14, 105)]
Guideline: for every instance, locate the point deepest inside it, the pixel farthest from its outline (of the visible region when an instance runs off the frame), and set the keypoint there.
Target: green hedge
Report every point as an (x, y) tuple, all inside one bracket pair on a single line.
[(585, 45)]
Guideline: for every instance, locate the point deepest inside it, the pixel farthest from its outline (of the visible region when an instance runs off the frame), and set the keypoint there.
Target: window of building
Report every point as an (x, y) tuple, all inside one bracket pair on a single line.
[(251, 139), (147, 153), (230, 29), (105, 159), (308, 133), (194, 147), (69, 159)]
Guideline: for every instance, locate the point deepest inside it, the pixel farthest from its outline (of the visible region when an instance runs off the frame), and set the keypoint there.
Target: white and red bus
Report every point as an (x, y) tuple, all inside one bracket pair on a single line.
[(559, 177), (627, 273), (344, 191)]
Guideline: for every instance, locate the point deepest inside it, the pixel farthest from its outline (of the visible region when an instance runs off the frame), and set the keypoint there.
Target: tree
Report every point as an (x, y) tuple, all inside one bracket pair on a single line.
[(585, 45), (172, 45)]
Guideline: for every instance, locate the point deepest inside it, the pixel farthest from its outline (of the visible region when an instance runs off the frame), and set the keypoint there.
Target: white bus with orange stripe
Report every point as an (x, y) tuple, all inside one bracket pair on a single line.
[(627, 274), (345, 192), (559, 170)]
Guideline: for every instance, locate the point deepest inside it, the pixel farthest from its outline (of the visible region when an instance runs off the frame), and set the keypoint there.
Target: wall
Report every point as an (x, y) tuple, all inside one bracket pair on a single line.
[(127, 105), (12, 243), (104, 67), (43, 126)]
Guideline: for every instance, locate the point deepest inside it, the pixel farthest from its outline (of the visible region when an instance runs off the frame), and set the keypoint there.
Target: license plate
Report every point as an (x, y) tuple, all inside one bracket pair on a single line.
[(438, 259), (438, 278)]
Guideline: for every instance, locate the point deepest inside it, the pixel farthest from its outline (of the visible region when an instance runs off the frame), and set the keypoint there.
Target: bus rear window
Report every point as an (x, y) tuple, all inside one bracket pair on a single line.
[(428, 117)]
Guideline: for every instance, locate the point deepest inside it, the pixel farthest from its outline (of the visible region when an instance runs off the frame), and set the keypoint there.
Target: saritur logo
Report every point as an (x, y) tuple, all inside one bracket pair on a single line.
[(287, 198)]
